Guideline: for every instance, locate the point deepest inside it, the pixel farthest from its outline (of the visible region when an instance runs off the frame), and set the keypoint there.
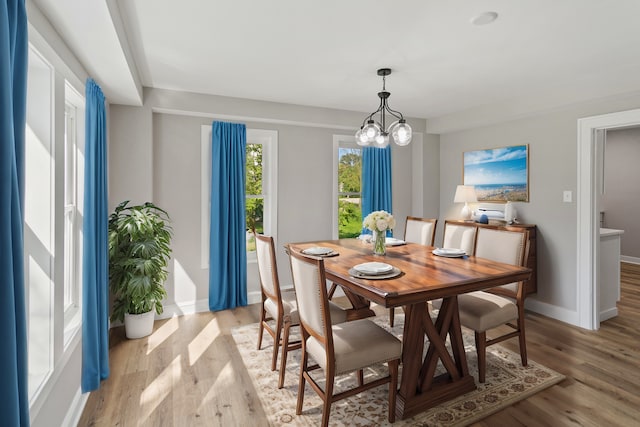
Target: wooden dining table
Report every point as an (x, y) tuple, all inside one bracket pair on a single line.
[(423, 277)]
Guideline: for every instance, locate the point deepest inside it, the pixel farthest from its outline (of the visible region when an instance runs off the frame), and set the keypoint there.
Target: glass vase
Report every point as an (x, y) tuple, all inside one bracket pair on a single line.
[(379, 242)]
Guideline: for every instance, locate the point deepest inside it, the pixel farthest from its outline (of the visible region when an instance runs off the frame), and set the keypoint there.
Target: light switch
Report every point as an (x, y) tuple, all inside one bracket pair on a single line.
[(567, 196)]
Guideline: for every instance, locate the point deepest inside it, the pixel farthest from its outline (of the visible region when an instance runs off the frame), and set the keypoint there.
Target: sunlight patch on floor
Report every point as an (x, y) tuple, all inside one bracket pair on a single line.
[(203, 340), (162, 333), (154, 394)]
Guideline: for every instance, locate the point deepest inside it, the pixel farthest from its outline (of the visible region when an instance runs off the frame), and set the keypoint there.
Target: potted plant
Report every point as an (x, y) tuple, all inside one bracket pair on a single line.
[(139, 238)]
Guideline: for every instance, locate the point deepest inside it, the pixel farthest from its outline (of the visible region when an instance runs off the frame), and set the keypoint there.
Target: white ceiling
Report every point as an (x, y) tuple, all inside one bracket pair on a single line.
[(539, 54)]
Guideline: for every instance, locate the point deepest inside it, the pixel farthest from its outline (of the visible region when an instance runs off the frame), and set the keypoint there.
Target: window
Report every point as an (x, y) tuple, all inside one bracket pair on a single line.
[(254, 205), (348, 178), (39, 250), (260, 183), (52, 220), (73, 197), (69, 206)]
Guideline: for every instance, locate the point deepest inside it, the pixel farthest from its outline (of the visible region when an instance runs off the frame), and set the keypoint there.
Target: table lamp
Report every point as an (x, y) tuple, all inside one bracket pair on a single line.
[(465, 194)]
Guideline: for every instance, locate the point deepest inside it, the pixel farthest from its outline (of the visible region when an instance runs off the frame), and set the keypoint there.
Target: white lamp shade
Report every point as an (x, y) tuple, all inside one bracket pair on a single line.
[(465, 194)]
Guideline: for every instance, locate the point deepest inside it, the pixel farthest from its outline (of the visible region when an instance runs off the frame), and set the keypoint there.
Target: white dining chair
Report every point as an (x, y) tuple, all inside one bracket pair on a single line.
[(280, 305), (460, 236), (337, 348), (502, 305), (420, 230)]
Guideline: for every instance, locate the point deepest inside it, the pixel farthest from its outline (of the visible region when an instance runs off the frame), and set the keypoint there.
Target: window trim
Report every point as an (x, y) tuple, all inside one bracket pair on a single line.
[(73, 313)]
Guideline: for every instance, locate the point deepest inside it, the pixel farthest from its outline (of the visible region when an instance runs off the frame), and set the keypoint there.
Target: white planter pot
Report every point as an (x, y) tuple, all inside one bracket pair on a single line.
[(139, 325)]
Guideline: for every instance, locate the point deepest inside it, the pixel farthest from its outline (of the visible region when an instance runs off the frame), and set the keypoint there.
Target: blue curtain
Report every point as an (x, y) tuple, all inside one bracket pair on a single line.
[(95, 273), (227, 237), (14, 394), (376, 181)]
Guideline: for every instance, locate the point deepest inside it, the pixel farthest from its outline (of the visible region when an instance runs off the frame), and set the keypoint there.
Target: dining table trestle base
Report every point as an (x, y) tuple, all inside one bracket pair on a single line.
[(421, 388)]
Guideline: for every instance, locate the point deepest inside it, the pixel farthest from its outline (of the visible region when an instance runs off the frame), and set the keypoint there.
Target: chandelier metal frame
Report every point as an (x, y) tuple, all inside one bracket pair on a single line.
[(373, 131)]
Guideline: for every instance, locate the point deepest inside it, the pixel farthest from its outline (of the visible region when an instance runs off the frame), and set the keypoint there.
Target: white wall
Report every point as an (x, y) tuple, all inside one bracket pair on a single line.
[(155, 155), (552, 139)]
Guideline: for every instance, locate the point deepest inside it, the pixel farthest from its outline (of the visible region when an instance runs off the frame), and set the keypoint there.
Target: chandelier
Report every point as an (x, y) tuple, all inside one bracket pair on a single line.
[(373, 131)]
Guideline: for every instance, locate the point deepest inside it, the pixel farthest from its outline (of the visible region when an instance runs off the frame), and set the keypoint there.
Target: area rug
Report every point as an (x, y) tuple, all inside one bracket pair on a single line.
[(507, 382)]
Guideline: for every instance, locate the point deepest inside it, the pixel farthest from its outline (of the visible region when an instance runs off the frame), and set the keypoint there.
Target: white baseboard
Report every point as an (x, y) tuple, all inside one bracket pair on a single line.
[(559, 313), (72, 418), (181, 309), (630, 259), (199, 306), (608, 314)]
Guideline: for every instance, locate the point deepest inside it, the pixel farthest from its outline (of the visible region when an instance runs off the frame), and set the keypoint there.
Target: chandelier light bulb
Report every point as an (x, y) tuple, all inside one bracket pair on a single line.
[(371, 130), (361, 138), (401, 133), (382, 140)]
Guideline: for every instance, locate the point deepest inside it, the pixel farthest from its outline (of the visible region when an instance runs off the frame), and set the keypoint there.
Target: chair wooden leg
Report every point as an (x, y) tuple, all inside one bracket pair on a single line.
[(481, 349), (302, 381), (276, 344), (261, 329), (393, 389), (521, 338), (360, 377), (392, 315), (328, 398), (285, 349)]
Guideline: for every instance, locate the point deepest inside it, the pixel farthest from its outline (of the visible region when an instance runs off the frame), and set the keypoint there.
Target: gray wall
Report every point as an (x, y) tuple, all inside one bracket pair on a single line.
[(154, 155), (621, 199), (552, 139)]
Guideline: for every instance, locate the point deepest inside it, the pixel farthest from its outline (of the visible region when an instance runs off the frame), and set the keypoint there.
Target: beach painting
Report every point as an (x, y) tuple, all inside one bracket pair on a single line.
[(498, 174)]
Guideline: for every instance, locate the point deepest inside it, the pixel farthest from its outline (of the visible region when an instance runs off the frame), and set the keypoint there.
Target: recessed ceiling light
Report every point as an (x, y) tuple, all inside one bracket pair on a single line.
[(484, 18)]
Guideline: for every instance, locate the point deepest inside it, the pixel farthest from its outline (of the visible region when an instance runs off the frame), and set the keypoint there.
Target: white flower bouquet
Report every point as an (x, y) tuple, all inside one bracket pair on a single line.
[(379, 221)]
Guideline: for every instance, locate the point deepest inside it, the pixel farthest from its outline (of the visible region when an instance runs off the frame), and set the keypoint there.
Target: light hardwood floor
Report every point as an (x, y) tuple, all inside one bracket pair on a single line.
[(189, 373)]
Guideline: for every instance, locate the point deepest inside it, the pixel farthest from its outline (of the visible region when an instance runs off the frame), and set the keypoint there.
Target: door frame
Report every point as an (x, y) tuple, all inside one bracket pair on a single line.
[(588, 219)]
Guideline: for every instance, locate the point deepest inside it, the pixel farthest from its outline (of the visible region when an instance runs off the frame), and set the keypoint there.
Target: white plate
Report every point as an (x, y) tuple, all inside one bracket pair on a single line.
[(373, 268), (389, 275), (449, 252), (317, 250), (391, 241)]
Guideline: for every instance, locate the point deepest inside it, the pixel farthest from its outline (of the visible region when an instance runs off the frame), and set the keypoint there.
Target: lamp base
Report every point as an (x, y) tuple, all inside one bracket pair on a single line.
[(465, 213)]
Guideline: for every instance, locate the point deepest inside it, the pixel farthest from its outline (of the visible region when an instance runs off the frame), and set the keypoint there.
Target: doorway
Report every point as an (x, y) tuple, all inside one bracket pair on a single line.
[(588, 215)]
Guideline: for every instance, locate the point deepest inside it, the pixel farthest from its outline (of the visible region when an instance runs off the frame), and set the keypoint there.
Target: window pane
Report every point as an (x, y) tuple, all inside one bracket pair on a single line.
[(254, 169), (38, 221), (255, 220), (349, 217), (349, 192), (349, 170)]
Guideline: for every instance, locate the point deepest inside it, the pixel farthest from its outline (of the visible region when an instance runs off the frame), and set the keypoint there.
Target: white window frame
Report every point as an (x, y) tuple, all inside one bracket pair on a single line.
[(269, 140), (74, 141), (339, 141), (39, 257)]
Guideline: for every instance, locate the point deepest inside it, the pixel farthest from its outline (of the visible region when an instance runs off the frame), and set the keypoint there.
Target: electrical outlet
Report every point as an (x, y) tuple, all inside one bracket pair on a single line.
[(567, 196)]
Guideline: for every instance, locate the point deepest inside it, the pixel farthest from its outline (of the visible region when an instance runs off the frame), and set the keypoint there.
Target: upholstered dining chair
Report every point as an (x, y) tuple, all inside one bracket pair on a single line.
[(280, 305), (339, 348), (486, 310), (421, 231), (460, 236)]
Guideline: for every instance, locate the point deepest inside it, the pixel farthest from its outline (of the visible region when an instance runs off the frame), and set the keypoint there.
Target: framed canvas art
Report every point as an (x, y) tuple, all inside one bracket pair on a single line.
[(498, 174)]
